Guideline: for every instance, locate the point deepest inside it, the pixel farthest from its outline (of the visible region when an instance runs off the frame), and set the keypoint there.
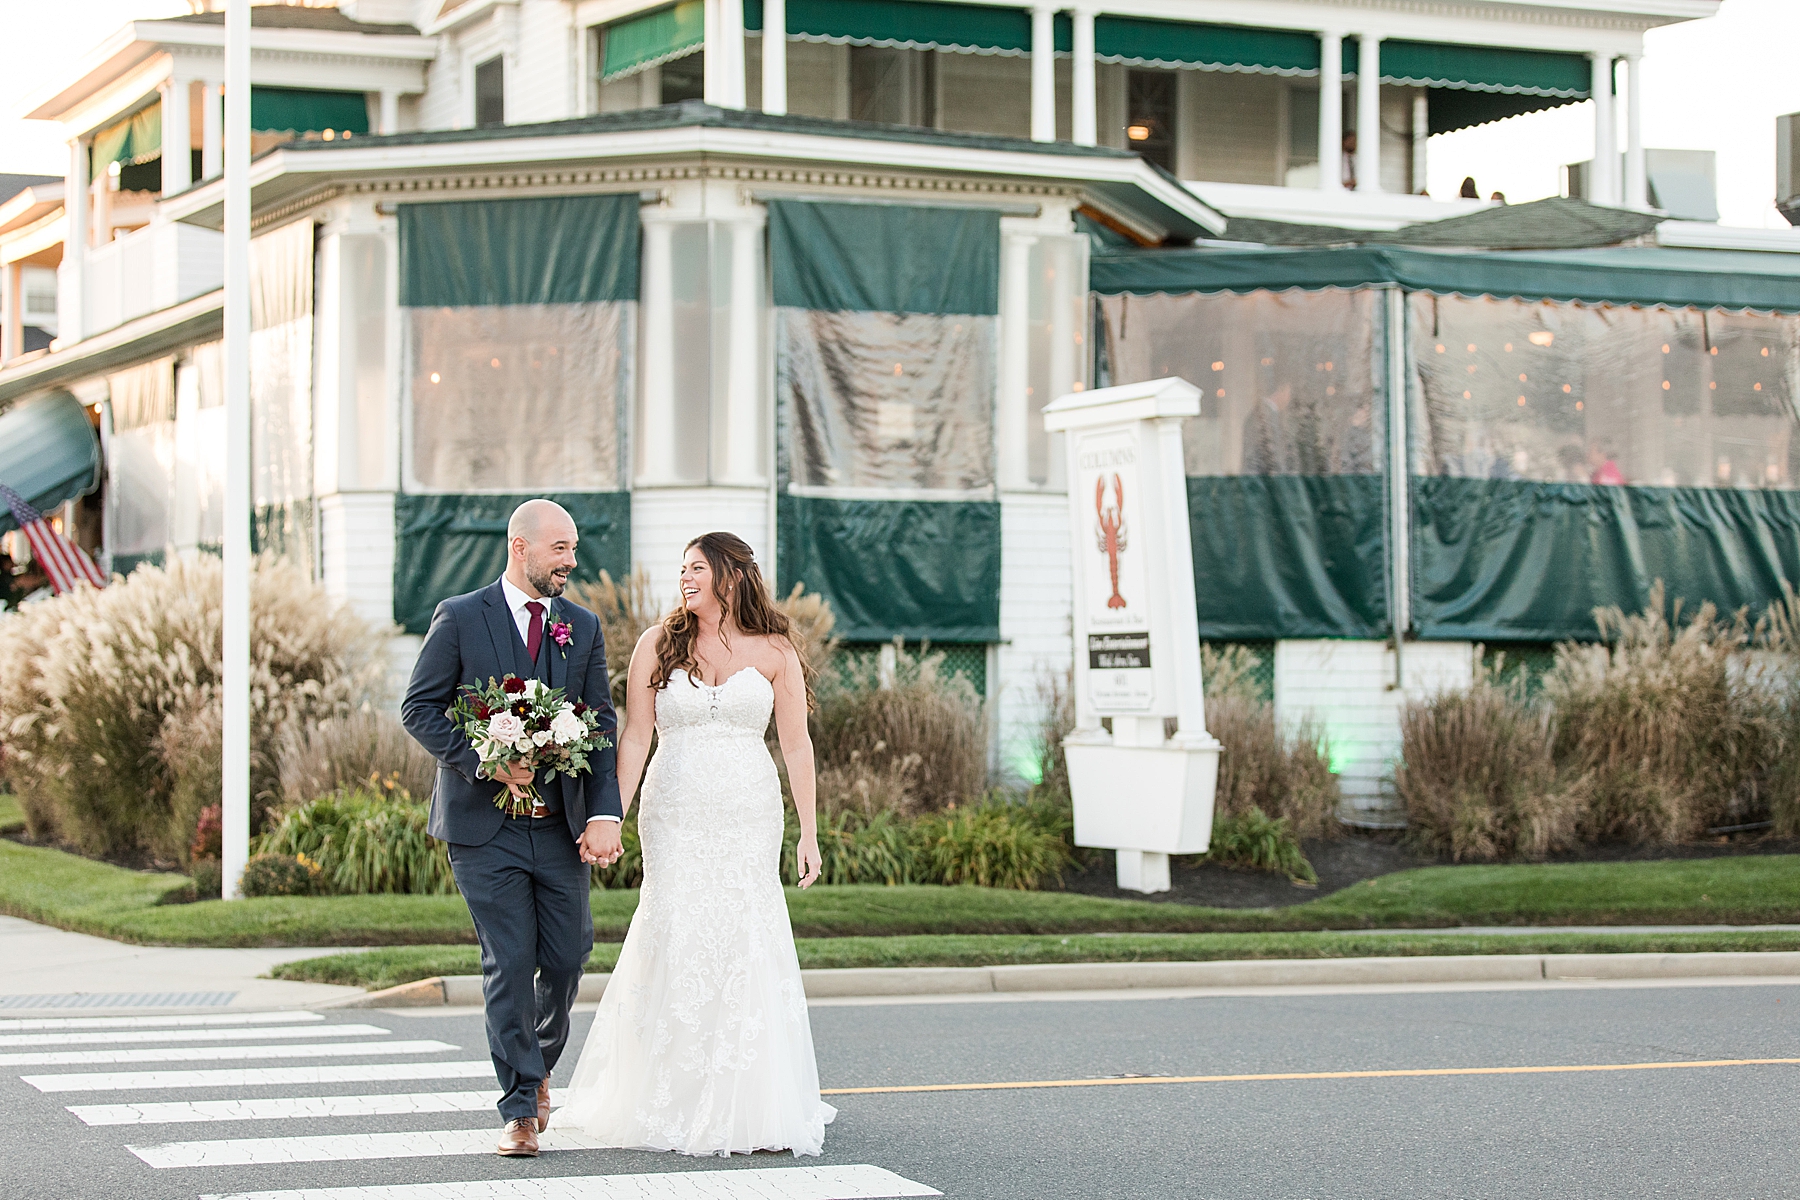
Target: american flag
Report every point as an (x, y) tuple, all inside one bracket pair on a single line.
[(63, 561)]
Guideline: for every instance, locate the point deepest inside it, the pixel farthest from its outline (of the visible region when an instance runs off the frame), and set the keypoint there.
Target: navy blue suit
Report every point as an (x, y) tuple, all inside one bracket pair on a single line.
[(523, 878)]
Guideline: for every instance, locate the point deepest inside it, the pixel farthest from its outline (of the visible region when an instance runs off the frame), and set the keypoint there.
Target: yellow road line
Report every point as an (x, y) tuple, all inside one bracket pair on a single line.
[(1412, 1073)]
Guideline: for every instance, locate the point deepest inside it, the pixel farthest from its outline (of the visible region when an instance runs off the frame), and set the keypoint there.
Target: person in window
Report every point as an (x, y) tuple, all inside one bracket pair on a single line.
[(1469, 190), (1266, 441), (9, 599), (1349, 168), (1601, 466)]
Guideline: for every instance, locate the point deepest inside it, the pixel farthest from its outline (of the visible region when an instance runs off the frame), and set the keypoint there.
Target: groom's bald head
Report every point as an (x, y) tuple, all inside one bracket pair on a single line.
[(540, 546)]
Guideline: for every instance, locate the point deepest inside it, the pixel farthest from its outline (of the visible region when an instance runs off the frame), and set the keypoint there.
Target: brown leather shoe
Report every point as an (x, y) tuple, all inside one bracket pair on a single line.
[(543, 1105), (519, 1139)]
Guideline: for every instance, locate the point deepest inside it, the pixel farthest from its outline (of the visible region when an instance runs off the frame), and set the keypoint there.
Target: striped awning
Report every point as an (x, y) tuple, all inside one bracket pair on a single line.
[(48, 452), (652, 38)]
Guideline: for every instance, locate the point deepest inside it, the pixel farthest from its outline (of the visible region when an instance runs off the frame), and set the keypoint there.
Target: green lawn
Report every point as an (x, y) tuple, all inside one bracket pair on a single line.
[(403, 964), (76, 893), (11, 815)]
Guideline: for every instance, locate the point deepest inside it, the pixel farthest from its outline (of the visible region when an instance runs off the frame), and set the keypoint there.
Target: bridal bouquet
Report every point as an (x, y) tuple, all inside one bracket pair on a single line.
[(524, 722)]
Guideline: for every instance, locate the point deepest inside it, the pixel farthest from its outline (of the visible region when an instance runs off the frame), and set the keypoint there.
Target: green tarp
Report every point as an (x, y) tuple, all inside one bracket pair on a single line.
[(1289, 556), (911, 24), (448, 545), (1143, 42), (136, 139), (655, 37), (308, 110), (896, 568), (553, 250), (897, 258), (1615, 275), (1501, 560), (48, 453)]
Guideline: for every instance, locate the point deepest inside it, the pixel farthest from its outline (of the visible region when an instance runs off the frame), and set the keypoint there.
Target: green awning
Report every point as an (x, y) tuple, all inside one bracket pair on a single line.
[(1486, 69), (307, 110), (651, 38), (136, 139), (48, 452), (1141, 42), (912, 25), (891, 258), (541, 250), (1732, 279)]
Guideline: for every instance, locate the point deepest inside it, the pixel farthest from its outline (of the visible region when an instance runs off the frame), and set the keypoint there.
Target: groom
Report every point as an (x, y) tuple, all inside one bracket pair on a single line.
[(525, 878)]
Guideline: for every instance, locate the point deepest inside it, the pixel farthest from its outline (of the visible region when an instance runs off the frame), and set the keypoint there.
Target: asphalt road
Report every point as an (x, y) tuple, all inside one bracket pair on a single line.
[(1670, 1130)]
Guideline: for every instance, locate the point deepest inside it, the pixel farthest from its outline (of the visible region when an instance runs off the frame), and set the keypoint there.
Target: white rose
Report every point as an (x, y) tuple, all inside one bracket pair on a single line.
[(567, 709), (566, 727), (534, 688), (505, 728), (540, 737)]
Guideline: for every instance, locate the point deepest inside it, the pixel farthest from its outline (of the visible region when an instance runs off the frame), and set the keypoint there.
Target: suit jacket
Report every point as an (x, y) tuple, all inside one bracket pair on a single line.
[(473, 638)]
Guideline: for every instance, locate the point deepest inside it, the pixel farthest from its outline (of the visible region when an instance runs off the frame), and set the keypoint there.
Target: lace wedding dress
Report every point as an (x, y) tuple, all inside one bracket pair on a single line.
[(701, 1043)]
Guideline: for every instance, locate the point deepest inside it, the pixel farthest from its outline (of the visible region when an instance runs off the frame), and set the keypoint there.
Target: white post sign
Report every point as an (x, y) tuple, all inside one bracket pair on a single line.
[(1137, 638)]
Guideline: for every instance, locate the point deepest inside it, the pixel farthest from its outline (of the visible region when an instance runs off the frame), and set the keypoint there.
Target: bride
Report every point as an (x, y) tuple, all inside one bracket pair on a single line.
[(701, 1043)]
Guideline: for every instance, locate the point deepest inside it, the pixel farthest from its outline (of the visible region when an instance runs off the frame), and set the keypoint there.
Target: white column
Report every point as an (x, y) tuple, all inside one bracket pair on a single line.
[(1368, 113), (723, 79), (1043, 73), (744, 384), (656, 317), (1603, 172), (774, 57), (1421, 134), (71, 277), (1015, 361), (235, 616), (389, 112), (1083, 102), (1331, 112), (1636, 189), (177, 141), (210, 141), (12, 333)]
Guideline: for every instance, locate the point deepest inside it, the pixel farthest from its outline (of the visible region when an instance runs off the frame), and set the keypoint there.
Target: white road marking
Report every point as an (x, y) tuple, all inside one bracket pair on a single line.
[(118, 1036), (150, 1054), (858, 1182), (344, 1147), (285, 1108), (234, 1077), (299, 1016)]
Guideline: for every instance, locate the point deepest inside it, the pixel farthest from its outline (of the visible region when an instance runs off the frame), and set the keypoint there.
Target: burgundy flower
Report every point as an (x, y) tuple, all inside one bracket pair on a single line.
[(562, 633), (581, 708), (512, 685), (483, 711)]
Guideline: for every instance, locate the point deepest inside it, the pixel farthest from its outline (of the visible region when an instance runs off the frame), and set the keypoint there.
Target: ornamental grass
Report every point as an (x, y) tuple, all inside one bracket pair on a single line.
[(368, 748), (922, 711), (1283, 772), (364, 843)]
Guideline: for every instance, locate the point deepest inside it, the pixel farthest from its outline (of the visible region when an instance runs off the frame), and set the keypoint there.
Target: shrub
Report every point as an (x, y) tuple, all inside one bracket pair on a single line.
[(365, 843), (1476, 773), (860, 786), (282, 875), (109, 698), (1261, 843), (1286, 773), (1056, 703), (924, 712), (209, 880), (209, 835), (1665, 731), (367, 748), (1778, 652), (991, 844)]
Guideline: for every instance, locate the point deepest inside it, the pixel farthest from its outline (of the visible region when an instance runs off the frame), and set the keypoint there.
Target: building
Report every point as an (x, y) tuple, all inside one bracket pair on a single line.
[(682, 275)]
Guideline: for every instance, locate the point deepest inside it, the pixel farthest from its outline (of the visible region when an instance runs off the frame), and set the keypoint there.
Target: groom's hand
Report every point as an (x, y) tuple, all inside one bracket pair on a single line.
[(600, 843)]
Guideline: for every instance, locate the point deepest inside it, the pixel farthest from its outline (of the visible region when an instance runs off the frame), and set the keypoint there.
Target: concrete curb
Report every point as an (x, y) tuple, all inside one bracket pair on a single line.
[(1076, 977)]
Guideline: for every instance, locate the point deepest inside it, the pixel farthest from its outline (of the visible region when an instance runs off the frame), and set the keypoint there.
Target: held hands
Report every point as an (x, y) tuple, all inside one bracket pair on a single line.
[(809, 860), (600, 843)]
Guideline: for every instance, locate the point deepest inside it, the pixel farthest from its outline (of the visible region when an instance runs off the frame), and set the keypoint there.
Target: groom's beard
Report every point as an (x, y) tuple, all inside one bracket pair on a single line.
[(547, 582)]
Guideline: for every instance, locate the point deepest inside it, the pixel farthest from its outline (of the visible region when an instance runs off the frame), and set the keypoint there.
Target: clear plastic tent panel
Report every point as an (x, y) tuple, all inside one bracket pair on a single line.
[(1562, 392), (140, 488), (523, 397), (1290, 381), (890, 401), (281, 291)]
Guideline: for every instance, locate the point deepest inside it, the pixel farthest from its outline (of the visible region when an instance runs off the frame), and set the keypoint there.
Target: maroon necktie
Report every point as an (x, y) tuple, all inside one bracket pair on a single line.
[(534, 635)]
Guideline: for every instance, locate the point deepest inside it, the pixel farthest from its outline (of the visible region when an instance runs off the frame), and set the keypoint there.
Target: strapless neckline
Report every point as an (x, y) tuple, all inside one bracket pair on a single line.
[(717, 687)]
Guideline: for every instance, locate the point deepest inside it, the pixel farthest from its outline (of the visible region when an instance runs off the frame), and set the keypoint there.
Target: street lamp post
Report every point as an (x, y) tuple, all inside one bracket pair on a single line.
[(235, 797)]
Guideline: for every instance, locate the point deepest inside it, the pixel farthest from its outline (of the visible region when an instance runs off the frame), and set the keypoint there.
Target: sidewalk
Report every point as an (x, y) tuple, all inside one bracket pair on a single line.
[(46, 968)]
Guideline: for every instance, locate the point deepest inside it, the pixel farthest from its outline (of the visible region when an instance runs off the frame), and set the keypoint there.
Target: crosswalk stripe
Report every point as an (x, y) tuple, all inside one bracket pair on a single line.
[(235, 1077), (850, 1182), (296, 1017), (150, 1054), (345, 1147), (279, 1108), (118, 1036)]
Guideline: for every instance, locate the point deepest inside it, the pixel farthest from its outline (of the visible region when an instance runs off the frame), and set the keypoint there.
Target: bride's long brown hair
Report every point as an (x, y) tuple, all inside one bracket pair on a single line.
[(738, 586)]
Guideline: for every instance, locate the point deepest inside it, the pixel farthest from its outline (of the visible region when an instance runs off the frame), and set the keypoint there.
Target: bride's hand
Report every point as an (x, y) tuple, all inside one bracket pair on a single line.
[(810, 861)]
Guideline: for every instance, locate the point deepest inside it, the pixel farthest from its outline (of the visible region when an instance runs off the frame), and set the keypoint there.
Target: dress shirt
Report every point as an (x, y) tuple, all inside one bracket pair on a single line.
[(516, 601)]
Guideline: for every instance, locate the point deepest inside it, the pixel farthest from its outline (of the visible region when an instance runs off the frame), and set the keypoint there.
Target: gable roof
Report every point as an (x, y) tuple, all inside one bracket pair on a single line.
[(291, 16)]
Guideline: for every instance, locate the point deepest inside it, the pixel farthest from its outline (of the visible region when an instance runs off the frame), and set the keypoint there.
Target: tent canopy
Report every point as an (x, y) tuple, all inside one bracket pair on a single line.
[(48, 452), (1733, 279)]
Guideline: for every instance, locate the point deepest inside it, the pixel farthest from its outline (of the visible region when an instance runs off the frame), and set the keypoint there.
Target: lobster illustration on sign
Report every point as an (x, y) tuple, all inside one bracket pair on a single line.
[(1112, 531)]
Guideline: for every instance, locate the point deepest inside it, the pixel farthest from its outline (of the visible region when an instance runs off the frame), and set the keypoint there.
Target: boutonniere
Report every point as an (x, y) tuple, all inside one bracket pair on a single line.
[(562, 633)]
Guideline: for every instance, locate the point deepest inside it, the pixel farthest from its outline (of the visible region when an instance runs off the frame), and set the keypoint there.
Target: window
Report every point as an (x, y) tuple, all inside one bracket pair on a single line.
[(684, 78), (490, 92), (1150, 99), (893, 86)]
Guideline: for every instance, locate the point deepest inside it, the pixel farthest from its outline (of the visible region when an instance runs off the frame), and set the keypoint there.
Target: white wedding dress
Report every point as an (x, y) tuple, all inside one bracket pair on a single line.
[(701, 1043)]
